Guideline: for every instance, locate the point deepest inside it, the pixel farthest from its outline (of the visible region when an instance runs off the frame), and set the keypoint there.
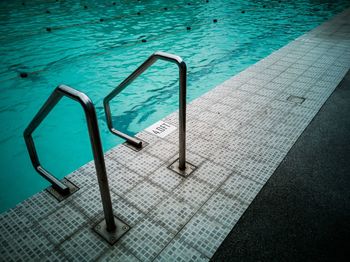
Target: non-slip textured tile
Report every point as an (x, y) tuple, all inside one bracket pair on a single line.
[(217, 134), (256, 170), (62, 223), (227, 158), (267, 92), (126, 212), (194, 192), (197, 126), (83, 177), (146, 240), (232, 101), (212, 173), (203, 147), (144, 164), (12, 222), (85, 245), (224, 209), (172, 214), (145, 196), (166, 178), (204, 234), (27, 245), (229, 124), (255, 134), (89, 202), (266, 154), (120, 178), (241, 188), (221, 108), (279, 142), (162, 150), (118, 254), (41, 205), (178, 250), (122, 154), (54, 256), (208, 116)]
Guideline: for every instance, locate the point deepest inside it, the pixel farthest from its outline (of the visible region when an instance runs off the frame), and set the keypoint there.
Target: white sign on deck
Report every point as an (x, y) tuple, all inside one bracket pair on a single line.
[(161, 129)]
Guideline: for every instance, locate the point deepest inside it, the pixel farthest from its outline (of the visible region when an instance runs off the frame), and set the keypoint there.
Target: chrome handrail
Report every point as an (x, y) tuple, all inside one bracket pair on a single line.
[(95, 140), (182, 101)]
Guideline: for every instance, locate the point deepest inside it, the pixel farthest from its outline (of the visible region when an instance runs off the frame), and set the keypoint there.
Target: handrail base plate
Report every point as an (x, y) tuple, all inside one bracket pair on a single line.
[(137, 149), (111, 237), (190, 168), (56, 194)]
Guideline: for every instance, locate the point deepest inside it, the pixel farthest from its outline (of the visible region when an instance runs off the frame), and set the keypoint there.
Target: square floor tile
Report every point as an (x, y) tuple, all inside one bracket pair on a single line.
[(121, 179), (224, 209), (146, 240), (145, 196), (203, 147), (61, 224), (194, 192), (122, 154), (166, 178), (144, 164), (118, 254), (172, 214), (85, 245), (126, 212), (83, 177), (178, 250), (162, 150), (26, 245), (241, 188), (204, 234), (12, 222), (227, 158), (89, 202), (212, 174)]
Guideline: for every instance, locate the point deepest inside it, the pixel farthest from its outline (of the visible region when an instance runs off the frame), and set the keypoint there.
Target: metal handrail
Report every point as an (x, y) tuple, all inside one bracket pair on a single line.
[(95, 140), (182, 101)]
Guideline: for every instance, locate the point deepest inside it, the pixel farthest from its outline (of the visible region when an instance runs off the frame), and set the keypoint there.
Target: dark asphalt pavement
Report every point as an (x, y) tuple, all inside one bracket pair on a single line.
[(303, 211)]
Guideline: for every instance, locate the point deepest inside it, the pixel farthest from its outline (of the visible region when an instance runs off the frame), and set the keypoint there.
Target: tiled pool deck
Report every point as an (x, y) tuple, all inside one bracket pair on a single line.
[(237, 135)]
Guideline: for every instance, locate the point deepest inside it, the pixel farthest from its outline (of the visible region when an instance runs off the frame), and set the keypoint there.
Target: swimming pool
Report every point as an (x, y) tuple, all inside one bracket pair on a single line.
[(93, 45)]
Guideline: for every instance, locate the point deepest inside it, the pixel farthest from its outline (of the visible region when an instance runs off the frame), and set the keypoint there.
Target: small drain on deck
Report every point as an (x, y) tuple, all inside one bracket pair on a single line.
[(296, 99)]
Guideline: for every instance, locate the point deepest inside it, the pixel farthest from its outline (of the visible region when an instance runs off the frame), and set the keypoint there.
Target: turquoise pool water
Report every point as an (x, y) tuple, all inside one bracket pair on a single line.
[(93, 45)]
